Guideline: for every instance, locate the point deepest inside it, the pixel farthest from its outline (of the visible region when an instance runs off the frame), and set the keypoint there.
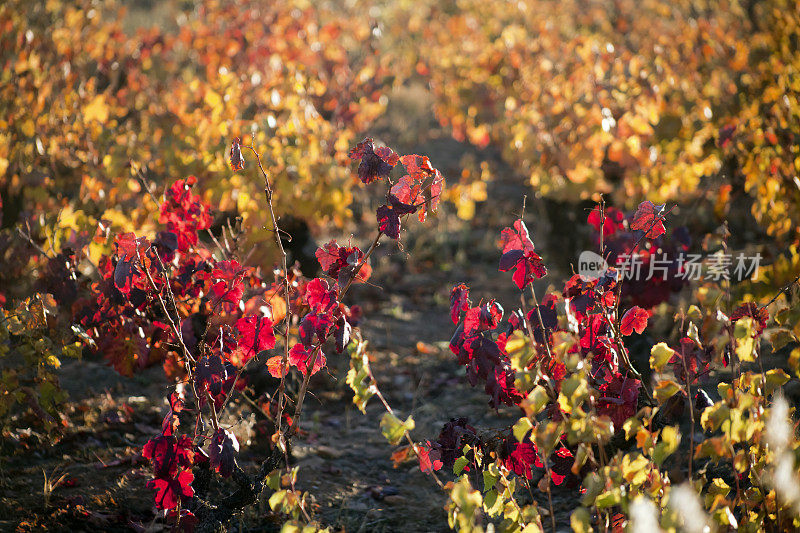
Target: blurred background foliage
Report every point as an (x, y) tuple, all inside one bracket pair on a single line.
[(684, 101), (689, 101), (92, 110)]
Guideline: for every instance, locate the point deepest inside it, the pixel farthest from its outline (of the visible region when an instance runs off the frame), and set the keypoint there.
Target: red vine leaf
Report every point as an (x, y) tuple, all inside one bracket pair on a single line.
[(170, 422), (300, 357), (611, 223), (168, 453), (634, 319), (320, 297), (340, 262), (222, 452), (516, 238), (690, 361), (169, 491), (314, 324), (618, 399), (648, 218), (274, 366), (376, 163), (459, 301), (482, 318), (389, 216), (523, 456), (255, 335), (563, 460), (428, 459), (760, 315), (527, 266)]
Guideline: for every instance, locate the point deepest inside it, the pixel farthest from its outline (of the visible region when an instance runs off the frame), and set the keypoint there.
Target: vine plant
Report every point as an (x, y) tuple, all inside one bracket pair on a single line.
[(593, 418), (210, 318), (591, 421)]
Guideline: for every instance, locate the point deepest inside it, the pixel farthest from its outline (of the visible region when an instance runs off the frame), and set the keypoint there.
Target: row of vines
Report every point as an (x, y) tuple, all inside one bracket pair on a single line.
[(153, 180)]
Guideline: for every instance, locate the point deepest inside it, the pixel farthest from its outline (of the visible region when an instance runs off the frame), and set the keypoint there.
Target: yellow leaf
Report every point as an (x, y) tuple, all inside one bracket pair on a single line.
[(28, 128), (521, 428), (635, 470), (97, 109), (746, 344), (535, 401), (514, 344), (213, 100), (660, 354)]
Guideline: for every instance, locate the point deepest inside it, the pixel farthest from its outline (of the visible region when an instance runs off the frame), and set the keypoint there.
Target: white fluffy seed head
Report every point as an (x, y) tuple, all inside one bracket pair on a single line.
[(684, 501), (785, 482), (643, 516), (778, 428)]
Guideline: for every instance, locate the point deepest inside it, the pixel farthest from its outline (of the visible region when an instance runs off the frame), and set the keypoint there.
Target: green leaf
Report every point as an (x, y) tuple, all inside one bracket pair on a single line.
[(660, 354), (718, 487), (608, 499), (358, 377), (726, 517), (521, 428), (745, 342), (459, 465), (593, 484), (667, 444), (547, 434), (274, 479), (492, 503), (393, 429), (780, 337), (665, 389), (776, 378), (713, 416), (574, 390), (276, 501), (581, 520), (694, 313), (489, 480)]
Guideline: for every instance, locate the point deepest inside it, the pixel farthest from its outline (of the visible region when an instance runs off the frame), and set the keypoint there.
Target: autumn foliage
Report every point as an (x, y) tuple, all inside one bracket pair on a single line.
[(591, 420), (149, 178)]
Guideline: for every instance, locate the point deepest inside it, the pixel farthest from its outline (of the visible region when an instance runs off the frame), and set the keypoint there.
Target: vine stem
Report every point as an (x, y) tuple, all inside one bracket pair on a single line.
[(783, 290), (282, 434), (548, 384), (173, 326), (541, 320), (287, 298), (613, 317), (549, 492), (550, 356), (188, 358), (691, 405)]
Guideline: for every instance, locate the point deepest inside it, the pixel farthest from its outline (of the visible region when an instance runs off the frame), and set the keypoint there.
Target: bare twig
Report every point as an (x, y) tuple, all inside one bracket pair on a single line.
[(783, 290), (287, 296)]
